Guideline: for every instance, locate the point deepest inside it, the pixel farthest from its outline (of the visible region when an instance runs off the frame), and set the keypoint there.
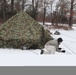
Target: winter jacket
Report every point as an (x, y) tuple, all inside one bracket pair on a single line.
[(54, 43)]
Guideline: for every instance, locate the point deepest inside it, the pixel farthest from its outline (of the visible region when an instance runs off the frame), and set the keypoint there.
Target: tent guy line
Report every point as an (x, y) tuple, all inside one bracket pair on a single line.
[(69, 49)]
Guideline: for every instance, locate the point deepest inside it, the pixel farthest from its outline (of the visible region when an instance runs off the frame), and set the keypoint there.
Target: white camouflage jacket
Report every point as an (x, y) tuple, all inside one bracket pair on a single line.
[(54, 43)]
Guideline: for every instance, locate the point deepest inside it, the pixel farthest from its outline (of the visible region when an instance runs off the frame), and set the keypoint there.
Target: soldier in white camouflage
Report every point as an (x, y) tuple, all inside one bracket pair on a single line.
[(52, 46)]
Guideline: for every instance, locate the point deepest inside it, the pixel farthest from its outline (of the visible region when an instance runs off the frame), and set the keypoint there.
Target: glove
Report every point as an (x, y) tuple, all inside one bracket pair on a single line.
[(59, 48), (63, 51), (42, 51)]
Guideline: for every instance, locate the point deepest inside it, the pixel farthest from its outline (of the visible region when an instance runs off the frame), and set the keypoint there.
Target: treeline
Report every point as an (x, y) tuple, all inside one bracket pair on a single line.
[(8, 8), (62, 12)]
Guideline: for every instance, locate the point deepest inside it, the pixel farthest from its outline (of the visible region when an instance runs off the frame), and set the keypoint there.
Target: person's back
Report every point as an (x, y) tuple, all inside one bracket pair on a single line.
[(52, 46), (53, 43)]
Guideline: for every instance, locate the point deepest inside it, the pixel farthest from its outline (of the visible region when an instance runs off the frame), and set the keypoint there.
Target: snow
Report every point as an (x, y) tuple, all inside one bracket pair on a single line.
[(17, 57), (69, 40)]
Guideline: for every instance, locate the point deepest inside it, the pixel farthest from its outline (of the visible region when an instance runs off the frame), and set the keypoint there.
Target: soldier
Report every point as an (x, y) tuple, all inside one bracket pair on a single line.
[(52, 46)]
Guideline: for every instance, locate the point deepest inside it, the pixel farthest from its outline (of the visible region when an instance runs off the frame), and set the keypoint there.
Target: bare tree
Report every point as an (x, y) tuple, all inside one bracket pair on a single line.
[(4, 10), (35, 8), (44, 12), (51, 4), (33, 4), (17, 5), (61, 7), (45, 5), (23, 4), (71, 13), (12, 5), (72, 4)]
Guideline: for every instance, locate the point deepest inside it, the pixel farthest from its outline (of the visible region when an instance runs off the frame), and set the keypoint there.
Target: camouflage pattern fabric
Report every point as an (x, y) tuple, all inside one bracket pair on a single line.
[(22, 30)]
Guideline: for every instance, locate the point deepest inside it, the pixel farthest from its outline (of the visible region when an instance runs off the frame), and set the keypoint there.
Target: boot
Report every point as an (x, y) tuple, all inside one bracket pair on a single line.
[(42, 51)]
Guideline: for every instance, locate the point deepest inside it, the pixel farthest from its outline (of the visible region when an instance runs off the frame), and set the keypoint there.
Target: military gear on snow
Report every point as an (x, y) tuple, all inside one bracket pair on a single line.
[(57, 33)]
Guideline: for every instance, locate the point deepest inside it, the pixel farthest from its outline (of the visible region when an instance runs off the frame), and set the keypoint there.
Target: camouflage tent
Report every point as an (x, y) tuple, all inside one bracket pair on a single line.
[(22, 30)]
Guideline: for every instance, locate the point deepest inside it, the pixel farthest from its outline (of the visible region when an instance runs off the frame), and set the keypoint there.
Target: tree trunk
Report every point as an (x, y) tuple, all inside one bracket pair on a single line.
[(71, 14), (56, 19), (23, 4), (52, 15), (33, 9), (4, 10), (12, 5), (44, 15), (33, 4)]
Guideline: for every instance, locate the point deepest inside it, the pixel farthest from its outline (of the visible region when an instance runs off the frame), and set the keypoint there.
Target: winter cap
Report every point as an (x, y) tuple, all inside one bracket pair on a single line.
[(60, 39)]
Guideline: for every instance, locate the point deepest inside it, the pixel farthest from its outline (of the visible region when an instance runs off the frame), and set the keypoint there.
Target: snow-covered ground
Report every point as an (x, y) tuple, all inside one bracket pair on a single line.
[(69, 40), (16, 57)]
